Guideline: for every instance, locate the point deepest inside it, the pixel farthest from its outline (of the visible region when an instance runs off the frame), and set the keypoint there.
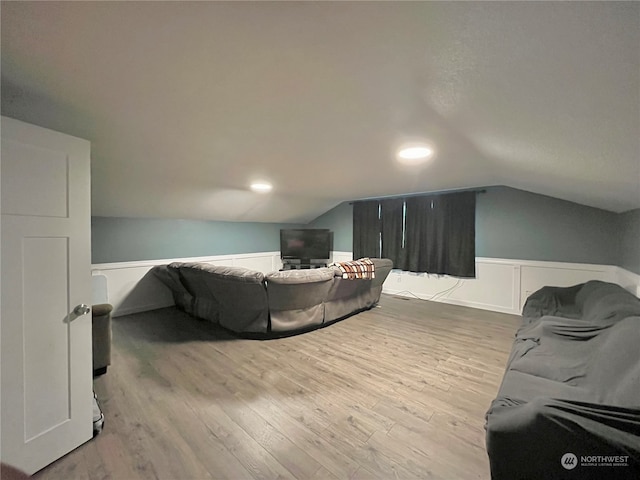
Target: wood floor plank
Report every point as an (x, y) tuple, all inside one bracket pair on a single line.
[(399, 391), (327, 454), (377, 461), (115, 458), (459, 458), (283, 449), (249, 452)]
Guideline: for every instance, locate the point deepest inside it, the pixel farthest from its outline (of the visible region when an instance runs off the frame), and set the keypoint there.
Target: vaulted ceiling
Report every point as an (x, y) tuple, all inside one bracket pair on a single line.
[(187, 103)]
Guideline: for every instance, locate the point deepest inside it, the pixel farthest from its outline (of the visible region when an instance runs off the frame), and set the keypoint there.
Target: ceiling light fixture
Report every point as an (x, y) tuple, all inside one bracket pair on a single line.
[(261, 187), (414, 153)]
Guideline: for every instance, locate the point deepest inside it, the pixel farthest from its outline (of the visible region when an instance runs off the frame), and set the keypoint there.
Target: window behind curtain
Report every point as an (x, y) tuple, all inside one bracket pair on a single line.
[(366, 229), (427, 233)]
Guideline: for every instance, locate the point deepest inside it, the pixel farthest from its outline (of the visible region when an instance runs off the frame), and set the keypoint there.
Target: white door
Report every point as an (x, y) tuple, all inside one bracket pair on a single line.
[(46, 371)]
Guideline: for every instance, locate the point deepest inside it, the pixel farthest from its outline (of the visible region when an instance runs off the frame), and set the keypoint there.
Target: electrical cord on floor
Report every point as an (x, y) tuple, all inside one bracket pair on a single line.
[(450, 290), (407, 292), (435, 296)]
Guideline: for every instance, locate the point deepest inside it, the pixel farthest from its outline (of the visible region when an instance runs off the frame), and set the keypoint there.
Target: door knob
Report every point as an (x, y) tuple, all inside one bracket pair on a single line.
[(81, 309)]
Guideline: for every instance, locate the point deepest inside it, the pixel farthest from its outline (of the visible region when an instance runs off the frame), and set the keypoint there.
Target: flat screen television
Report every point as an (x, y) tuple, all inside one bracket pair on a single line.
[(305, 244)]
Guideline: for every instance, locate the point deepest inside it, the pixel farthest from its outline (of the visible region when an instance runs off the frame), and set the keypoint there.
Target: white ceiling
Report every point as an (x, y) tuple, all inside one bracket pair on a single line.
[(186, 103)]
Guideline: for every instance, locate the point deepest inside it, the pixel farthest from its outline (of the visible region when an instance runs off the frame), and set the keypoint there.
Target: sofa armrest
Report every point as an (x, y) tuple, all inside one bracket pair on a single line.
[(102, 309), (555, 301), (552, 427), (101, 336)]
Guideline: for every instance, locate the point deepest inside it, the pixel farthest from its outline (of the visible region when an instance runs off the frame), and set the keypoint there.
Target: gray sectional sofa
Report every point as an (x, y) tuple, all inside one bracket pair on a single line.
[(248, 301), (569, 403)]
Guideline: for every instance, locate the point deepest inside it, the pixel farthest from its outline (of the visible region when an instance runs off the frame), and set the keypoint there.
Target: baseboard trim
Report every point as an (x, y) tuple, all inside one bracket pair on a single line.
[(451, 301)]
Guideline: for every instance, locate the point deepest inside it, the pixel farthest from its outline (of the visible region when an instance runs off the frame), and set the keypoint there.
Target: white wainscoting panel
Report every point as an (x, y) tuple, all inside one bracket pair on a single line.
[(341, 257), (501, 285), (132, 289), (258, 262), (628, 280), (492, 289), (536, 275)]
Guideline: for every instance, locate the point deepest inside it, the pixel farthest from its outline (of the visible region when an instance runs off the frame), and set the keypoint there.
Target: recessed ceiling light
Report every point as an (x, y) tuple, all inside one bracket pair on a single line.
[(414, 153), (261, 187)]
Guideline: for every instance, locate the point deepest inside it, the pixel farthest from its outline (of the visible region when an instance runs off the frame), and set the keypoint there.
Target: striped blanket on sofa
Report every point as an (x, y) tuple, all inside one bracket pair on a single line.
[(357, 269)]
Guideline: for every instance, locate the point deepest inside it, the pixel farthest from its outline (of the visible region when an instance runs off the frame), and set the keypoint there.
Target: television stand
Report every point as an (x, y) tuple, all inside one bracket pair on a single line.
[(303, 264)]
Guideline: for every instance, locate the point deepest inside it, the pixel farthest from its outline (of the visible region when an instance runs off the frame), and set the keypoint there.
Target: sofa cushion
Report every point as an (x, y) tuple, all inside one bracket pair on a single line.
[(225, 273), (555, 301), (222, 295), (171, 278), (605, 303), (592, 291), (527, 440), (296, 297), (312, 275), (614, 370)]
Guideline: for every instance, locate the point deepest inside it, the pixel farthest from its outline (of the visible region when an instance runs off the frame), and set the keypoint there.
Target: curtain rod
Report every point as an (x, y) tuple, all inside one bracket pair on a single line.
[(483, 190)]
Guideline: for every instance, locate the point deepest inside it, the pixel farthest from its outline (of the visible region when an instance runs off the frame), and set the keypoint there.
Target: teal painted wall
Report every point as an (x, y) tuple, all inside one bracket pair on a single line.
[(512, 223), (130, 239), (630, 240), (340, 221)]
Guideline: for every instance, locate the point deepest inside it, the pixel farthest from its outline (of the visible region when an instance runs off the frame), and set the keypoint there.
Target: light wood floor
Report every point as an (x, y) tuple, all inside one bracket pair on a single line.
[(397, 392)]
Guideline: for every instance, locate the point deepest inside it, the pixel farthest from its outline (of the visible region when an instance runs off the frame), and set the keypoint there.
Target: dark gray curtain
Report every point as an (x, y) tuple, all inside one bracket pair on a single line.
[(440, 234), (419, 221), (460, 233), (391, 219), (366, 229)]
